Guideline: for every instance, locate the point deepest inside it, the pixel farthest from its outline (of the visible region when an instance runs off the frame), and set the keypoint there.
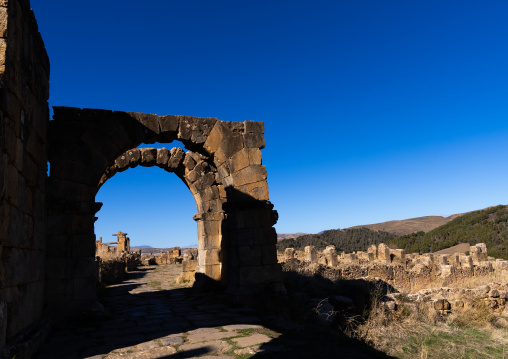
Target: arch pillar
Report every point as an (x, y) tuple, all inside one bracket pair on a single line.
[(210, 257)]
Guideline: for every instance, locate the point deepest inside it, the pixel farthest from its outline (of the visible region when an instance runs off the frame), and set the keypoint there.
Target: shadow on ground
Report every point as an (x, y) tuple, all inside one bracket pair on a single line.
[(139, 321)]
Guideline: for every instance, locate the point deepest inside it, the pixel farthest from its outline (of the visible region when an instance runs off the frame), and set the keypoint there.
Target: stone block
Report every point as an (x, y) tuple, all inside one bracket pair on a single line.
[(442, 260), (163, 156), (189, 162), (442, 304), (254, 140), (289, 253), (240, 160), (201, 129), (208, 241), (3, 19), (204, 181), (254, 126), (149, 121), (148, 157), (210, 194), (212, 271), (169, 125), (310, 254), (251, 174), (383, 252), (122, 162), (243, 237), (208, 256), (133, 156), (331, 256), (83, 292), (257, 191), (447, 270), (216, 136), (269, 254), (255, 156), (185, 128), (22, 266), (228, 148), (189, 265), (11, 184), (177, 156), (83, 245)]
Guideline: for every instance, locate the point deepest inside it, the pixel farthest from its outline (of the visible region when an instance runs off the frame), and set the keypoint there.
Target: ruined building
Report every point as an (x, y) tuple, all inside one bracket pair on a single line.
[(47, 240)]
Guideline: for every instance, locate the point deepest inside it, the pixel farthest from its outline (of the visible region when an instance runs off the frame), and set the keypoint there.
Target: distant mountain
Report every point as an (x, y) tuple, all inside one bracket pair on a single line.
[(142, 247), (281, 236), (411, 225), (489, 226), (352, 239)]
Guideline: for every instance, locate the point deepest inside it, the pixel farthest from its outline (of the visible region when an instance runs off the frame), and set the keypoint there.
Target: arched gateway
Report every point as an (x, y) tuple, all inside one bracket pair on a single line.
[(222, 168)]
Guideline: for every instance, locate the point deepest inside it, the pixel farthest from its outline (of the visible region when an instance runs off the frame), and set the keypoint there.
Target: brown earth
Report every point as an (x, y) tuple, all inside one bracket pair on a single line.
[(459, 248), (411, 225), (281, 236)]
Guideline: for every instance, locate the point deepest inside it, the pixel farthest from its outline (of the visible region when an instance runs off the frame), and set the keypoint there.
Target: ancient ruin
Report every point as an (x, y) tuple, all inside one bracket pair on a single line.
[(47, 232), (399, 269)]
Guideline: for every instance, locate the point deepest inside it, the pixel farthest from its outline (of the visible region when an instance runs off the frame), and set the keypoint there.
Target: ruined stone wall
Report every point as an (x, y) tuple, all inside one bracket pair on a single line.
[(405, 272), (24, 116)]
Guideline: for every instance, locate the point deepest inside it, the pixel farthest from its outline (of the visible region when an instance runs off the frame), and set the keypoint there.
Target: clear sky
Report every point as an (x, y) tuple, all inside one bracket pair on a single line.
[(373, 110)]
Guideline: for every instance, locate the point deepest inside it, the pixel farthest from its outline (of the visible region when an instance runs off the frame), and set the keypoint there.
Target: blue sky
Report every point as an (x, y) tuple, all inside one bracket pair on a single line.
[(373, 110)]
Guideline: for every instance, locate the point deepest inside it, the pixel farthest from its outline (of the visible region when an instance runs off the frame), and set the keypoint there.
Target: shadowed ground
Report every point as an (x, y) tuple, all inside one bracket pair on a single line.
[(152, 317)]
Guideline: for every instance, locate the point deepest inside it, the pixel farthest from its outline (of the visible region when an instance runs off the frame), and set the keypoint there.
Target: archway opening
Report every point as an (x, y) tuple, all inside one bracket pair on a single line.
[(153, 207)]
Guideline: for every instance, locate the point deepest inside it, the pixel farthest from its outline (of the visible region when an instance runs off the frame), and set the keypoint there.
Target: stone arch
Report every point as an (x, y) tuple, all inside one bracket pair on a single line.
[(223, 170), (208, 196)]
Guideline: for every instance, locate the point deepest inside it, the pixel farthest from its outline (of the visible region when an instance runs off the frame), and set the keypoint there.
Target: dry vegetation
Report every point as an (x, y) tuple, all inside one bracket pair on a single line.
[(417, 331)]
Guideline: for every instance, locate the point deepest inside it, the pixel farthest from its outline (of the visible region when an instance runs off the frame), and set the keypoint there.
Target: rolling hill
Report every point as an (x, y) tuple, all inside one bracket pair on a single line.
[(489, 226)]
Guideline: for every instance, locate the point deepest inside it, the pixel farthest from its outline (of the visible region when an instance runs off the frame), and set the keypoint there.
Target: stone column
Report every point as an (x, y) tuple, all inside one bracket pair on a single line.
[(310, 254), (383, 252), (331, 256), (289, 253), (209, 244)]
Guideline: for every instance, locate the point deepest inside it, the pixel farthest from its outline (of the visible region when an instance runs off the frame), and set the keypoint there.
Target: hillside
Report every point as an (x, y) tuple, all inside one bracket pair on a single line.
[(411, 225), (281, 236), (489, 226), (351, 239)]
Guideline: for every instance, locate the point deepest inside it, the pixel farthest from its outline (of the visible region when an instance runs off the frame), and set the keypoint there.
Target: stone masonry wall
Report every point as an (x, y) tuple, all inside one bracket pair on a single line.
[(403, 271), (24, 116)]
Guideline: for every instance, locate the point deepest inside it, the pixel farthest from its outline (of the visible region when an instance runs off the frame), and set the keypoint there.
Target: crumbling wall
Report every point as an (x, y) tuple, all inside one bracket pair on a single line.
[(403, 271), (24, 116)]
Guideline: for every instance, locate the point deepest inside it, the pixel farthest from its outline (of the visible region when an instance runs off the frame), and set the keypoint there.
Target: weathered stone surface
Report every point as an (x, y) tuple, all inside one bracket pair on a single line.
[(177, 156), (162, 157), (148, 156), (217, 346), (251, 340), (169, 125), (254, 126), (254, 140), (207, 334)]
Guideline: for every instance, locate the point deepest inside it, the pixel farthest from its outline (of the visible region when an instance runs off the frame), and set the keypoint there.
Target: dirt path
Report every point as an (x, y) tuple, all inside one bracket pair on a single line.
[(152, 317)]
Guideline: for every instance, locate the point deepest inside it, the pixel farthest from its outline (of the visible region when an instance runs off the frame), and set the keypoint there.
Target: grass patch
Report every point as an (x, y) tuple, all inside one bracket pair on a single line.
[(245, 332)]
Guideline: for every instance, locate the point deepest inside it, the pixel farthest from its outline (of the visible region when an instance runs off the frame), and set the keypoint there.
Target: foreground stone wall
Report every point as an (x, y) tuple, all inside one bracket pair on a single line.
[(24, 88)]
